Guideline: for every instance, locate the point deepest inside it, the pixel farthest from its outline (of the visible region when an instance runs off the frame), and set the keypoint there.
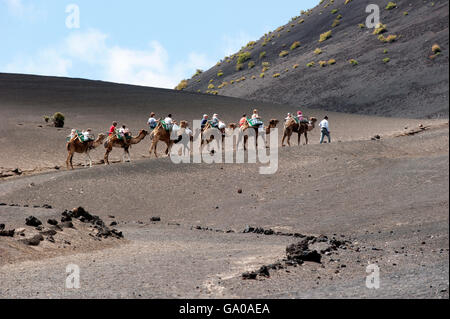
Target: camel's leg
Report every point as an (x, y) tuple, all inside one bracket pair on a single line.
[(153, 148), (69, 160), (90, 159), (106, 158), (128, 155), (299, 138), (306, 137)]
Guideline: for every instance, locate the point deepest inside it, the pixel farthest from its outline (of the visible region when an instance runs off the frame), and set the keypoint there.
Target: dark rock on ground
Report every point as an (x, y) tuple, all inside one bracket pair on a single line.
[(301, 252), (49, 232), (33, 221), (155, 219), (33, 241), (2, 226), (7, 233), (53, 222)]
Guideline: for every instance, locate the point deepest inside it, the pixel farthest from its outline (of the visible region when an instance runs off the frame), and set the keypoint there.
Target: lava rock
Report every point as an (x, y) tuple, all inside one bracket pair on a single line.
[(52, 222), (33, 221), (155, 219), (2, 226), (33, 241), (301, 252), (249, 276), (7, 233)]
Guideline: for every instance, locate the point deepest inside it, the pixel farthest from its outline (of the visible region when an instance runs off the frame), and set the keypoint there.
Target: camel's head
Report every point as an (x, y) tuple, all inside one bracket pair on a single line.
[(273, 123), (232, 126), (143, 133), (183, 124), (313, 120), (101, 137)]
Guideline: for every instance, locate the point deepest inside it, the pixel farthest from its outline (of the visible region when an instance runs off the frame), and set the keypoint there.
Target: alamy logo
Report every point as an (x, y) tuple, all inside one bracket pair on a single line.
[(73, 19), (373, 279), (374, 18), (73, 279)]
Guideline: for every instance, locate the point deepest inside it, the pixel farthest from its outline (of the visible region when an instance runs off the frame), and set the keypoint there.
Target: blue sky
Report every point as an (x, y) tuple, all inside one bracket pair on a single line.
[(143, 42)]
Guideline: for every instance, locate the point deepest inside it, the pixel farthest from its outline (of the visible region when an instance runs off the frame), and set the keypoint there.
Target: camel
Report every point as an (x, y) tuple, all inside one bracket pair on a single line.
[(76, 146), (209, 127), (292, 126), (114, 141), (161, 134), (272, 125)]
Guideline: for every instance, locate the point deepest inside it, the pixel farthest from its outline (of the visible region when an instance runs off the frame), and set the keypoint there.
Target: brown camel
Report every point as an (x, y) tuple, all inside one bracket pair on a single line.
[(76, 146), (114, 141), (161, 134), (272, 125), (292, 126)]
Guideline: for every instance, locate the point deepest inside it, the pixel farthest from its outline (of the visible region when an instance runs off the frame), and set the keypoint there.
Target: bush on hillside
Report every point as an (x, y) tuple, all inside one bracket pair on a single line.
[(58, 119), (325, 36), (284, 53), (182, 85), (391, 5), (295, 45), (243, 57)]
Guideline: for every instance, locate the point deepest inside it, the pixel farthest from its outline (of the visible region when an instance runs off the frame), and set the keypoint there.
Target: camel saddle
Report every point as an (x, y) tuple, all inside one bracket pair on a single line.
[(255, 122)]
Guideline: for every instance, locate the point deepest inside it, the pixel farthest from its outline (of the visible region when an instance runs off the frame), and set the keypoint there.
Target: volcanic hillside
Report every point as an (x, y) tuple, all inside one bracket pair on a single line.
[(327, 58)]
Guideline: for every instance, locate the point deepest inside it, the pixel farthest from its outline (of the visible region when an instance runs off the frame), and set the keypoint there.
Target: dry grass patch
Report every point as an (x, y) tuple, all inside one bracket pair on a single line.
[(325, 36)]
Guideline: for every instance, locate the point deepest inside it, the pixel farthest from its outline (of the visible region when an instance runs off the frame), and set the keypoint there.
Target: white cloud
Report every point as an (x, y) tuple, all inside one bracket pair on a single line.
[(45, 62), (23, 10), (150, 66)]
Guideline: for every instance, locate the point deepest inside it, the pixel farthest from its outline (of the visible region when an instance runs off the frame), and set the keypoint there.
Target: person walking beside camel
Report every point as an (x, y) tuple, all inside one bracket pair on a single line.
[(325, 129)]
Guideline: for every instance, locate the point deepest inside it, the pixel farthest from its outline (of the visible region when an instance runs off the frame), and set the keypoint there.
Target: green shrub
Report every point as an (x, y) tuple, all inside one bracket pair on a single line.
[(353, 62), (46, 118), (336, 22), (386, 60), (310, 64), (380, 28), (323, 63), (197, 73), (262, 75), (361, 26), (58, 119), (385, 51), (295, 45), (182, 85), (276, 75), (262, 55), (405, 13), (334, 11), (331, 61), (220, 73), (243, 57), (239, 66), (251, 64), (284, 53), (317, 51), (295, 66), (325, 36), (388, 39), (211, 86), (391, 5)]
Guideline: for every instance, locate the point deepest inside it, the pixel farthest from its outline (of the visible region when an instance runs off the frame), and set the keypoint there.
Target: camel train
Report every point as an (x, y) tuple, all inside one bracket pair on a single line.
[(185, 136)]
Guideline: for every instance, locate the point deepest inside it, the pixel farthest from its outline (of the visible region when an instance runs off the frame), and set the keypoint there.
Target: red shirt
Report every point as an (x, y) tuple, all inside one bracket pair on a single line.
[(242, 121), (112, 130)]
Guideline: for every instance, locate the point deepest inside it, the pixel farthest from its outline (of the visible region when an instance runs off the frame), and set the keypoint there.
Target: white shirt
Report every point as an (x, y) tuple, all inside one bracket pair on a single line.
[(151, 121), (324, 124), (168, 121)]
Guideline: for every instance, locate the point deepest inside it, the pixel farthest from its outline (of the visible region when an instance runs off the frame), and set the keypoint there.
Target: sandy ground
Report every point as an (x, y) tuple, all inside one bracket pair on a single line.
[(388, 198)]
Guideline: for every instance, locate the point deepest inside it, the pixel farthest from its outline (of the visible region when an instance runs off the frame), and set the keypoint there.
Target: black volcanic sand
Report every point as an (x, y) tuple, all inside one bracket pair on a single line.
[(388, 199), (410, 85)]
